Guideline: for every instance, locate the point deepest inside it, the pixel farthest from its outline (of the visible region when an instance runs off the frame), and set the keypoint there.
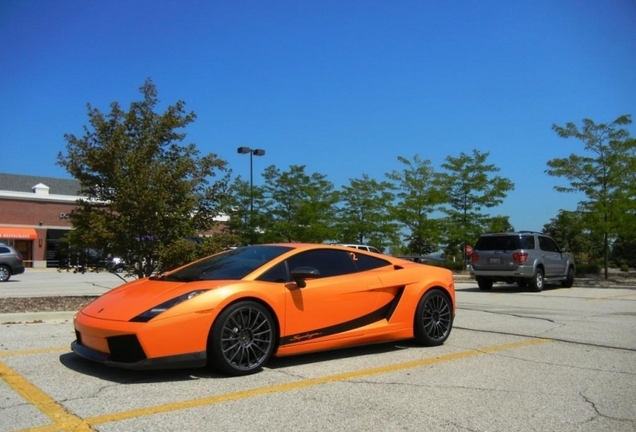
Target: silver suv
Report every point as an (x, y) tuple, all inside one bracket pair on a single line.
[(525, 257), (10, 262)]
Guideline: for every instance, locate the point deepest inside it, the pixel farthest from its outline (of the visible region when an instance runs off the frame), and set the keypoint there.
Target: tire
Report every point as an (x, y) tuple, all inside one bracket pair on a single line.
[(538, 281), (5, 273), (522, 283), (569, 280), (433, 318), (484, 283), (242, 339)]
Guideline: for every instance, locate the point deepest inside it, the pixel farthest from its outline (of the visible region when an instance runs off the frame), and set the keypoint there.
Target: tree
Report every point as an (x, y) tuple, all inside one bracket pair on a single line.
[(364, 217), (142, 189), (568, 229), (469, 187), (247, 221), (498, 224), (416, 197), (300, 207), (605, 175)]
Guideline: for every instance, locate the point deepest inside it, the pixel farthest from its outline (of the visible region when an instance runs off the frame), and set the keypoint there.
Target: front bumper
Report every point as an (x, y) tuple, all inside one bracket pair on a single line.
[(177, 342), (183, 361)]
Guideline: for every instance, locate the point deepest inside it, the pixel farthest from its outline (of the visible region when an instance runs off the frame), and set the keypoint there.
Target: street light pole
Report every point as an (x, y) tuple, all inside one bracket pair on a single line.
[(252, 152)]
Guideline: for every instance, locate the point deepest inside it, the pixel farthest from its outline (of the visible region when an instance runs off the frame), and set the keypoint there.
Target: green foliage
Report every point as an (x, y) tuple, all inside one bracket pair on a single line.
[(143, 189), (498, 224), (247, 212), (624, 250), (588, 268), (469, 187), (416, 197), (605, 174), (363, 216), (569, 230), (299, 207)]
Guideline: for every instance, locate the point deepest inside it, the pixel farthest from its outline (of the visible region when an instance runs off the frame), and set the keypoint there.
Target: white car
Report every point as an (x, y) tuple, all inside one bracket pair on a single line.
[(361, 246)]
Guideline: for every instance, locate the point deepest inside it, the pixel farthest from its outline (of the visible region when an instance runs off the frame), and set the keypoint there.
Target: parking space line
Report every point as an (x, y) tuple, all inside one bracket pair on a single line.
[(32, 351), (176, 406), (65, 421), (62, 419)]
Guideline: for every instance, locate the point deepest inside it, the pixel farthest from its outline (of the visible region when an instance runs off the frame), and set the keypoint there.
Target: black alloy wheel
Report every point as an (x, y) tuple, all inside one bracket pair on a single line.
[(242, 339), (433, 318)]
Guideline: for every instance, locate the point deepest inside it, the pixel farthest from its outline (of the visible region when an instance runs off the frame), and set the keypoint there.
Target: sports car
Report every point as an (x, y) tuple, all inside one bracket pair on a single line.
[(234, 310)]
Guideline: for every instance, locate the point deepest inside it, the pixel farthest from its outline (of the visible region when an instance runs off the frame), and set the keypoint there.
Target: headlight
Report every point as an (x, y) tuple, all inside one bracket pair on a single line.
[(153, 312)]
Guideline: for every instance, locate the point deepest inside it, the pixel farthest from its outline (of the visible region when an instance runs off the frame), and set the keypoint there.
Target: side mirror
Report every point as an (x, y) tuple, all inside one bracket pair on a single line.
[(301, 273)]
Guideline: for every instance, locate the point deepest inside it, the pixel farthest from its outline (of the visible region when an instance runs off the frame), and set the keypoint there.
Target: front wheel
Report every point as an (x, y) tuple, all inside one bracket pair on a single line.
[(242, 339), (569, 279), (433, 318)]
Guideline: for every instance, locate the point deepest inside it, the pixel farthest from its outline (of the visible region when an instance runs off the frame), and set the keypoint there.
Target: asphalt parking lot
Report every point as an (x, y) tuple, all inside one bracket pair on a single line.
[(559, 360)]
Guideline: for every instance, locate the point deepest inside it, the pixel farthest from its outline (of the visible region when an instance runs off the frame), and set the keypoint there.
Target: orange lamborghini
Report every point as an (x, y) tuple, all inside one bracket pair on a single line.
[(236, 309)]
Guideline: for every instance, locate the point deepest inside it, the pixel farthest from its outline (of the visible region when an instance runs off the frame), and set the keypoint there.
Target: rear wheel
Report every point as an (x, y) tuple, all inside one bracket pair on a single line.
[(5, 273), (484, 283), (537, 280), (569, 280), (433, 318), (242, 339)]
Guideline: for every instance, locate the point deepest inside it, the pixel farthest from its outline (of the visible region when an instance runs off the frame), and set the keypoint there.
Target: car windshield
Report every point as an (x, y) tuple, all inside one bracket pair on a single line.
[(231, 265)]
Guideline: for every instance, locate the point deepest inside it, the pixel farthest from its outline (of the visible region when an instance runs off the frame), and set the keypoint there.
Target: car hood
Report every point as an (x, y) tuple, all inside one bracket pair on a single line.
[(129, 300)]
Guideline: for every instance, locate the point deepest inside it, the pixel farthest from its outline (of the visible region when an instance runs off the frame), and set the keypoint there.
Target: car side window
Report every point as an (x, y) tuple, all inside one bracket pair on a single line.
[(527, 242), (328, 262), (4, 250), (278, 273), (548, 245), (366, 262)]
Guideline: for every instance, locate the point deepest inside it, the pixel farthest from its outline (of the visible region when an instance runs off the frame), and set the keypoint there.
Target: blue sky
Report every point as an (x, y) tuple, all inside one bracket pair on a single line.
[(343, 87)]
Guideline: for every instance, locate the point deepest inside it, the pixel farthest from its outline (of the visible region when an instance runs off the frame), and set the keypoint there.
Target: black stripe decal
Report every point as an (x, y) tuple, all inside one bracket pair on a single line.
[(383, 312)]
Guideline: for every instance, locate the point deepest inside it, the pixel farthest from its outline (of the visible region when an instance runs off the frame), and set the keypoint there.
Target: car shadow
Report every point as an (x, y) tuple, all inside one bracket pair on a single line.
[(339, 354), (509, 289), (124, 376)]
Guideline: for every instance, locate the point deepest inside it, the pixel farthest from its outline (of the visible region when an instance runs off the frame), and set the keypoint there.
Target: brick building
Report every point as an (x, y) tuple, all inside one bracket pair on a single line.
[(34, 216)]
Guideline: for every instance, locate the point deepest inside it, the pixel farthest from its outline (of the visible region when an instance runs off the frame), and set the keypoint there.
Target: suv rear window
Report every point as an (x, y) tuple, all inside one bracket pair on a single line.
[(491, 243)]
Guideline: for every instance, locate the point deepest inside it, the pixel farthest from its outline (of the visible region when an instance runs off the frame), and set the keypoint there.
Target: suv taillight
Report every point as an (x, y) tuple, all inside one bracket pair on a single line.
[(474, 257), (520, 257)]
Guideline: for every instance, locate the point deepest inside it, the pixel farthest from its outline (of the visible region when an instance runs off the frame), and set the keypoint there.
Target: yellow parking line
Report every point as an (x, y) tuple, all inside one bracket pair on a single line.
[(68, 422), (32, 351), (62, 419), (300, 384)]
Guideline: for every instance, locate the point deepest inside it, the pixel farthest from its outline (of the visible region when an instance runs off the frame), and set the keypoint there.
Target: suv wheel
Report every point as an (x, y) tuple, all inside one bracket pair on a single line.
[(569, 279), (484, 283), (537, 280)]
